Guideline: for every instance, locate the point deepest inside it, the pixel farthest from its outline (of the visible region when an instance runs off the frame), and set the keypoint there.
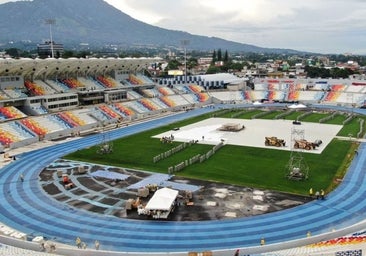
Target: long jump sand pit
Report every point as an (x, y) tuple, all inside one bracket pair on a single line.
[(253, 135)]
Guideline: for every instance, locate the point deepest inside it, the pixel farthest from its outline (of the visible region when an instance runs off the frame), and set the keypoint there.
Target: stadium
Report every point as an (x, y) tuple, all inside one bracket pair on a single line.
[(55, 107)]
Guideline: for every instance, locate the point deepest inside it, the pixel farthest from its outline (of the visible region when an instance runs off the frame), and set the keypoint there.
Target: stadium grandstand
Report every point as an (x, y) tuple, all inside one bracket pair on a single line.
[(44, 100)]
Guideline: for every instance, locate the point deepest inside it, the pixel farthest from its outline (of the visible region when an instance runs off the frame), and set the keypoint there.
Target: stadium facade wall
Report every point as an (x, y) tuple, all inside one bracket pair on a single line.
[(23, 143)]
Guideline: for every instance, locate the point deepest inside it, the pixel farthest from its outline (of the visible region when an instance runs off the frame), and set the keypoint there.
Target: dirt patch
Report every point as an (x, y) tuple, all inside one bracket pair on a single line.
[(213, 201)]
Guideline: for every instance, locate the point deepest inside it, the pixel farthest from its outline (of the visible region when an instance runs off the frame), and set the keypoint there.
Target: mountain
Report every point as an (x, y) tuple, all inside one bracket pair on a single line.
[(97, 23)]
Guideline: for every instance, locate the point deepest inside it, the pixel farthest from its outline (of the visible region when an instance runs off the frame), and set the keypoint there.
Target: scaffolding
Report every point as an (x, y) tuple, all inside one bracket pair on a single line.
[(297, 168), (106, 145)]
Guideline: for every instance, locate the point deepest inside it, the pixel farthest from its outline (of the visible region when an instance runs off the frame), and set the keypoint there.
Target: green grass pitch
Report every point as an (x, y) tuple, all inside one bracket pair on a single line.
[(238, 165)]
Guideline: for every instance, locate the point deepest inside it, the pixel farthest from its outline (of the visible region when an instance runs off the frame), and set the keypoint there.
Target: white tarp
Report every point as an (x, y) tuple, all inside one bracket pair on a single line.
[(162, 199), (297, 106)]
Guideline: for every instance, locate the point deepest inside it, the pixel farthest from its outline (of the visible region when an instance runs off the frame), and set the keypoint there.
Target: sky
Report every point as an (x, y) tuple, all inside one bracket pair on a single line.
[(322, 26)]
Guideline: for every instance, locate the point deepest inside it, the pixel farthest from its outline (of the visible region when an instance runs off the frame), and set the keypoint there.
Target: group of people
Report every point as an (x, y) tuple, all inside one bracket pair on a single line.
[(167, 139), (48, 246), (318, 195), (82, 245)]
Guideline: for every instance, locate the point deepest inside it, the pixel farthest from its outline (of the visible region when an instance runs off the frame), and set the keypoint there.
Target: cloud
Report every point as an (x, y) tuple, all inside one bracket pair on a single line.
[(326, 26), (312, 25)]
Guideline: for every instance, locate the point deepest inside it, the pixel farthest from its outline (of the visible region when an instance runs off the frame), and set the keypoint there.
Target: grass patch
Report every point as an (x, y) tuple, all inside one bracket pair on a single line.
[(314, 117), (293, 115), (352, 128)]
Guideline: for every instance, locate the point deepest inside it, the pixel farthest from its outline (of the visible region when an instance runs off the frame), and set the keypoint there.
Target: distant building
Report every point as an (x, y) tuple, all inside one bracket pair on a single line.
[(219, 63), (45, 50), (204, 60)]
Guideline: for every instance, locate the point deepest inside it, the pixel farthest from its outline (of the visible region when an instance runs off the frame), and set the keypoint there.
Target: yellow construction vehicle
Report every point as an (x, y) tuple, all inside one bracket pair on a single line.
[(274, 141), (304, 144)]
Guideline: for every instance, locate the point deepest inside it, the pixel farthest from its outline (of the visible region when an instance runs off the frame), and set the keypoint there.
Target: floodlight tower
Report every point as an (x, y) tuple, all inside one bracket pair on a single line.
[(184, 43), (51, 22)]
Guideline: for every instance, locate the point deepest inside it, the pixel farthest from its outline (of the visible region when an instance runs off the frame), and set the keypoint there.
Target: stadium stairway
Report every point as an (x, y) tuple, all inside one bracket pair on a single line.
[(27, 208)]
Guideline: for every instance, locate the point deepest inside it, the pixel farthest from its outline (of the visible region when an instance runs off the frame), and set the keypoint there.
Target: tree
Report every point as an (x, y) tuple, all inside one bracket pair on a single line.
[(173, 64), (13, 52), (68, 54), (213, 70), (83, 54), (192, 62), (315, 72), (236, 66), (226, 56), (214, 57), (341, 73), (219, 55)]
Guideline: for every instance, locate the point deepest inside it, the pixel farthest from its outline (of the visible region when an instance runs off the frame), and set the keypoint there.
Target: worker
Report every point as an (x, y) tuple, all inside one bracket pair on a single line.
[(322, 194), (263, 242), (96, 243), (317, 194), (311, 192), (78, 242)]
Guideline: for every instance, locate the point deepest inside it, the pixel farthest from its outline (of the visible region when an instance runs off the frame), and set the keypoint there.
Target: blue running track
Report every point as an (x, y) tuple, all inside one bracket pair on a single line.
[(27, 208)]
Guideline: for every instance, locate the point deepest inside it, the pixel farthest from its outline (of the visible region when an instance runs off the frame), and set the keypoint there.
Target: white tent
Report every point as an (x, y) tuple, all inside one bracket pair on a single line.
[(295, 106), (162, 199)]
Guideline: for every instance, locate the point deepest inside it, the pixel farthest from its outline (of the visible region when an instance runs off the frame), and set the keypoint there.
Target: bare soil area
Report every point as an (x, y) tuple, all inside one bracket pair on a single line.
[(212, 201)]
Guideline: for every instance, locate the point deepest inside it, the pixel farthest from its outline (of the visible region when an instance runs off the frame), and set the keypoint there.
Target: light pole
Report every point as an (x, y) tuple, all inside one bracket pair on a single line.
[(51, 22), (185, 42)]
